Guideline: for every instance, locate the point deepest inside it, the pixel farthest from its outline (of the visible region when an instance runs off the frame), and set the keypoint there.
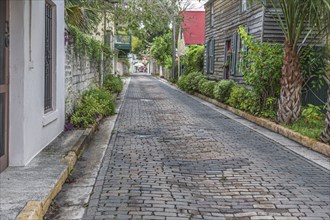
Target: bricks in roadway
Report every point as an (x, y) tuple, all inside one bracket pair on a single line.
[(171, 157)]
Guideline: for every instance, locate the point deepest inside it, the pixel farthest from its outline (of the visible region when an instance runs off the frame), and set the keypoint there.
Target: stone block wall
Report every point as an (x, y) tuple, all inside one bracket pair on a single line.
[(122, 69), (80, 74)]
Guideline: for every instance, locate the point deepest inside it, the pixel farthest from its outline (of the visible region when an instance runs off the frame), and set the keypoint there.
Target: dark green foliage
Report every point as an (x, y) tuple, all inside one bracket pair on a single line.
[(161, 48), (94, 104), (251, 103), (312, 64), (84, 44), (222, 90), (113, 84), (183, 82), (193, 60), (200, 84), (193, 80), (207, 88), (227, 91), (237, 96), (261, 66)]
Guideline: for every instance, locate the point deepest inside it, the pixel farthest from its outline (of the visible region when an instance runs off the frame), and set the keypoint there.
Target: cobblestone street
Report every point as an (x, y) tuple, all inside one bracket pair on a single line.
[(172, 157)]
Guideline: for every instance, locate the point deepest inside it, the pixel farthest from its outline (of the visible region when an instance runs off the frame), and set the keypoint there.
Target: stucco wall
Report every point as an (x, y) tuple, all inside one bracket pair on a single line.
[(80, 74), (30, 129)]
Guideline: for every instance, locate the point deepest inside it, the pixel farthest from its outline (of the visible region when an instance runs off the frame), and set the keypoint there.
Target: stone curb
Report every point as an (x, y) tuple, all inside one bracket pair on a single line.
[(301, 139), (35, 210)]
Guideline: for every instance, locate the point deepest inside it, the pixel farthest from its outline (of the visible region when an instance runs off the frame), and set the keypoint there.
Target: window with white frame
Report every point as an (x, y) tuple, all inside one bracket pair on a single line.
[(50, 46)]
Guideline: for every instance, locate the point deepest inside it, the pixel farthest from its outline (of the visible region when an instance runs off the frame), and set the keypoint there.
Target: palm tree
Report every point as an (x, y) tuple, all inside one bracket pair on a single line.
[(86, 15), (298, 19)]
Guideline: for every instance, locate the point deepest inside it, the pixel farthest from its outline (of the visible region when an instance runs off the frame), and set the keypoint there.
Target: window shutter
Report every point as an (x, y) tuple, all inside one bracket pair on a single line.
[(212, 56), (233, 53), (207, 56)]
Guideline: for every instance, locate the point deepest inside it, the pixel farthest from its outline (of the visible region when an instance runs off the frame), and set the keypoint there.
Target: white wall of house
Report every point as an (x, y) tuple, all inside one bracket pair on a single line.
[(30, 129)]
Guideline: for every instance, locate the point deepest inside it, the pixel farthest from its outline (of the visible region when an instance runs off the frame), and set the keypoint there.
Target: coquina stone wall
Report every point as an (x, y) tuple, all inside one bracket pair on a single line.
[(122, 69), (80, 74)]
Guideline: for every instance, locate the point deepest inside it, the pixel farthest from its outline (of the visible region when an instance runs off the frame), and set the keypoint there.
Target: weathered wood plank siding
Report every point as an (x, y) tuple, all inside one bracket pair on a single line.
[(227, 18)]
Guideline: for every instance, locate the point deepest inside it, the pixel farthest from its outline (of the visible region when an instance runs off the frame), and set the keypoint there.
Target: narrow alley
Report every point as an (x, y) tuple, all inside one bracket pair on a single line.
[(172, 157)]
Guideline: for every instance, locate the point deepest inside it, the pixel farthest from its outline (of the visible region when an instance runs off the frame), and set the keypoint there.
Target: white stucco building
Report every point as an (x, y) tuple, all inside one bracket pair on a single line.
[(32, 79)]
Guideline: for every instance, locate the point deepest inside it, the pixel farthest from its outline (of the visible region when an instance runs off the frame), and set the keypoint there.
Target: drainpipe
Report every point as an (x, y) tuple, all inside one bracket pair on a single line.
[(31, 66)]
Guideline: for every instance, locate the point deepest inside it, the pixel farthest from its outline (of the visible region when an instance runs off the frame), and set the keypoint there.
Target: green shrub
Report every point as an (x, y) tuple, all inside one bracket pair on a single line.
[(269, 109), (193, 80), (200, 85), (104, 98), (261, 66), (312, 115), (237, 96), (94, 103), (183, 82), (251, 103), (193, 60), (113, 84), (207, 88), (222, 90)]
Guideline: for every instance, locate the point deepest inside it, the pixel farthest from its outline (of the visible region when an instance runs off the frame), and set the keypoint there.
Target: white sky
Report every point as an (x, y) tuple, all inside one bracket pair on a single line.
[(193, 4)]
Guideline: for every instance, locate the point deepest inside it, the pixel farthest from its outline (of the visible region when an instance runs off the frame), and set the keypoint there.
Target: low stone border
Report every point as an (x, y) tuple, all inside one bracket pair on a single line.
[(301, 139)]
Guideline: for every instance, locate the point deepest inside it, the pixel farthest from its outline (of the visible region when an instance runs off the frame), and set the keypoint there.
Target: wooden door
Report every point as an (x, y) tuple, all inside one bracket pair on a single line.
[(4, 72)]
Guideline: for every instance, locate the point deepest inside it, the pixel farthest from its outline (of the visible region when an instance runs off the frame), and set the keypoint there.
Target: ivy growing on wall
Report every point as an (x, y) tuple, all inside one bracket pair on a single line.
[(88, 45)]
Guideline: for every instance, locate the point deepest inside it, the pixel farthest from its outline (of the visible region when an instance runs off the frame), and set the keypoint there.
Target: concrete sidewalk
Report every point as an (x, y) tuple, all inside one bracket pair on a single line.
[(27, 192), (34, 182)]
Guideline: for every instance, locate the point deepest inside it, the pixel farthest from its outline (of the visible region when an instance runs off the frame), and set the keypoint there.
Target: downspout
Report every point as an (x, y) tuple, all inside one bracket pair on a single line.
[(30, 36)]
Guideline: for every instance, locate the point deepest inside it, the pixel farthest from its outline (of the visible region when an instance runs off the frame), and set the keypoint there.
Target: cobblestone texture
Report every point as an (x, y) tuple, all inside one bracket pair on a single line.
[(172, 157)]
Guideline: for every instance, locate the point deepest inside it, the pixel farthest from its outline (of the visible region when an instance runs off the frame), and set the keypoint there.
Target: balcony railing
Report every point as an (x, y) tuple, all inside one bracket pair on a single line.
[(123, 42)]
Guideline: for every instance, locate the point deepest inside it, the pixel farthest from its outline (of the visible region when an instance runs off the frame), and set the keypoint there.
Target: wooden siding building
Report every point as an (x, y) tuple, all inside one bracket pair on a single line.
[(222, 42)]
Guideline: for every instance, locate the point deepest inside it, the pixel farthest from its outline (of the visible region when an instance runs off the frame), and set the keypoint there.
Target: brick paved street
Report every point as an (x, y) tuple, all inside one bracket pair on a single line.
[(171, 157)]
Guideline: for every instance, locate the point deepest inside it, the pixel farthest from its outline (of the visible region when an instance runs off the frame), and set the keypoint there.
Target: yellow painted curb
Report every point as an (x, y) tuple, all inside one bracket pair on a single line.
[(31, 211), (301, 139)]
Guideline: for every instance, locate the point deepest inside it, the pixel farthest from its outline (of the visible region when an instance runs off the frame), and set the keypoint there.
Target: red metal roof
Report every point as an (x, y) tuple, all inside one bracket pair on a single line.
[(193, 26)]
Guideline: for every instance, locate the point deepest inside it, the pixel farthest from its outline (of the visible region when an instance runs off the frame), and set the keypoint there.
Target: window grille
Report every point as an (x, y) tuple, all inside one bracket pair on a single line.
[(48, 100)]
